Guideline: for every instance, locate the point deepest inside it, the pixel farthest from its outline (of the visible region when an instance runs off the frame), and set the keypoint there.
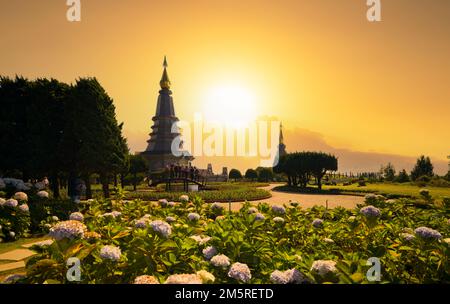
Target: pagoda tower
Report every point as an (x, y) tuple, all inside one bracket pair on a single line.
[(281, 145), (159, 149)]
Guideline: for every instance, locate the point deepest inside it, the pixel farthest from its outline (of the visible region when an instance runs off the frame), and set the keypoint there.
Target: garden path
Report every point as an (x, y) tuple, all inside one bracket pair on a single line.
[(305, 200)]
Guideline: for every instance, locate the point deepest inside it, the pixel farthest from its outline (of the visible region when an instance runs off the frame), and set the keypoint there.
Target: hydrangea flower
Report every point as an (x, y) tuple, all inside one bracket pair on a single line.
[(217, 207), (351, 218), (447, 241), (370, 198), (220, 260), (43, 194), (278, 209), (428, 233), (370, 212), (11, 203), (317, 223), (142, 223), (252, 210), (184, 198), (201, 239), (12, 234), (114, 214), (110, 252), (184, 279), (161, 227), (407, 236), (193, 216), (324, 267), (145, 279), (163, 202), (259, 217), (171, 204), (290, 276), (76, 216), (240, 272), (170, 219), (278, 220), (68, 230), (391, 201), (55, 218), (206, 276), (209, 252), (2, 201), (21, 196), (24, 208)]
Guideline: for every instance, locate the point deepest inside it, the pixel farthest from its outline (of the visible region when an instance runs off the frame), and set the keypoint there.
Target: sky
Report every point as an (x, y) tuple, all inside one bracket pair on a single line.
[(368, 92)]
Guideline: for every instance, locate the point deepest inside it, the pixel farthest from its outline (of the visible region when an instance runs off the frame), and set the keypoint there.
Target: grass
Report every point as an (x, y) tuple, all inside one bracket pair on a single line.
[(9, 246), (216, 192), (405, 189)]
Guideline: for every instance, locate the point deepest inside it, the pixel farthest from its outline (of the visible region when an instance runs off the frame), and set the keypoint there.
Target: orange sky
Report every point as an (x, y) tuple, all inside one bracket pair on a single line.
[(317, 65)]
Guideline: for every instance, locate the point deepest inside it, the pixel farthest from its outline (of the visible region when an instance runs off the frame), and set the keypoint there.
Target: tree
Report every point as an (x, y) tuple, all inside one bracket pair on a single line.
[(235, 174), (251, 174), (388, 172), (403, 177), (92, 141), (264, 174), (300, 166), (423, 167), (138, 165)]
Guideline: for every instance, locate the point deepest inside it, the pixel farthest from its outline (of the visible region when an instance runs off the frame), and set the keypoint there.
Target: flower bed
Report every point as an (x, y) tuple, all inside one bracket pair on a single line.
[(193, 242)]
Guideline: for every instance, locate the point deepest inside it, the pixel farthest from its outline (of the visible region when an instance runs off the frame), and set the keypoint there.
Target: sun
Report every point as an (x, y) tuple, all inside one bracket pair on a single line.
[(230, 104)]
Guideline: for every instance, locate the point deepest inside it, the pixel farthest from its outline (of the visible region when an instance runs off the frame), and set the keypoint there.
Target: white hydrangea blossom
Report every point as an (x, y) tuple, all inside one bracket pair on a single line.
[(161, 227), (76, 216), (240, 272), (407, 236), (201, 239), (43, 194), (20, 196), (145, 279), (163, 202), (193, 216), (290, 276), (2, 201), (110, 252), (317, 223), (278, 209), (206, 276), (170, 219), (24, 208), (220, 260), (278, 220), (209, 252), (68, 230), (184, 198), (324, 267), (11, 203), (184, 279), (328, 240), (259, 217)]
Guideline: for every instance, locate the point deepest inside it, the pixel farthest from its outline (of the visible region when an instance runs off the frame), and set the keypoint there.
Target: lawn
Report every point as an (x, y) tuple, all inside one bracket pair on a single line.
[(4, 247), (405, 189)]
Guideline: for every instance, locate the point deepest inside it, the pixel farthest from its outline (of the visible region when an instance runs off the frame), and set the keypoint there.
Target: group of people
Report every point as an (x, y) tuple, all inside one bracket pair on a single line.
[(177, 171)]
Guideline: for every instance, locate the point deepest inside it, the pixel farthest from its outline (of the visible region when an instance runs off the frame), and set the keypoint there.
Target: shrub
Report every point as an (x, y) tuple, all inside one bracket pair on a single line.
[(14, 222)]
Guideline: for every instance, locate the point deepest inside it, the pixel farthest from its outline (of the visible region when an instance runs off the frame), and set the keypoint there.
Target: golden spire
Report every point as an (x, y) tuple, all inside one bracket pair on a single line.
[(165, 82), (281, 134)]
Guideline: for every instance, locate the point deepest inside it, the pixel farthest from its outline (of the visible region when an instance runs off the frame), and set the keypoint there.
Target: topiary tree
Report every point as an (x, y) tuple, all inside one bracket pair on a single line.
[(251, 174), (265, 174), (235, 174)]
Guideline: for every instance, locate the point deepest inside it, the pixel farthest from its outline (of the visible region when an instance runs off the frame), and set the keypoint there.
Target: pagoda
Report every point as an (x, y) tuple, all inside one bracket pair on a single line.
[(159, 149)]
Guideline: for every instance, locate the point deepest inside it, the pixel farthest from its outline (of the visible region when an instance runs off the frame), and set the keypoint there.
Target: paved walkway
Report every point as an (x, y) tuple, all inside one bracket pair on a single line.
[(306, 200), (15, 259)]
